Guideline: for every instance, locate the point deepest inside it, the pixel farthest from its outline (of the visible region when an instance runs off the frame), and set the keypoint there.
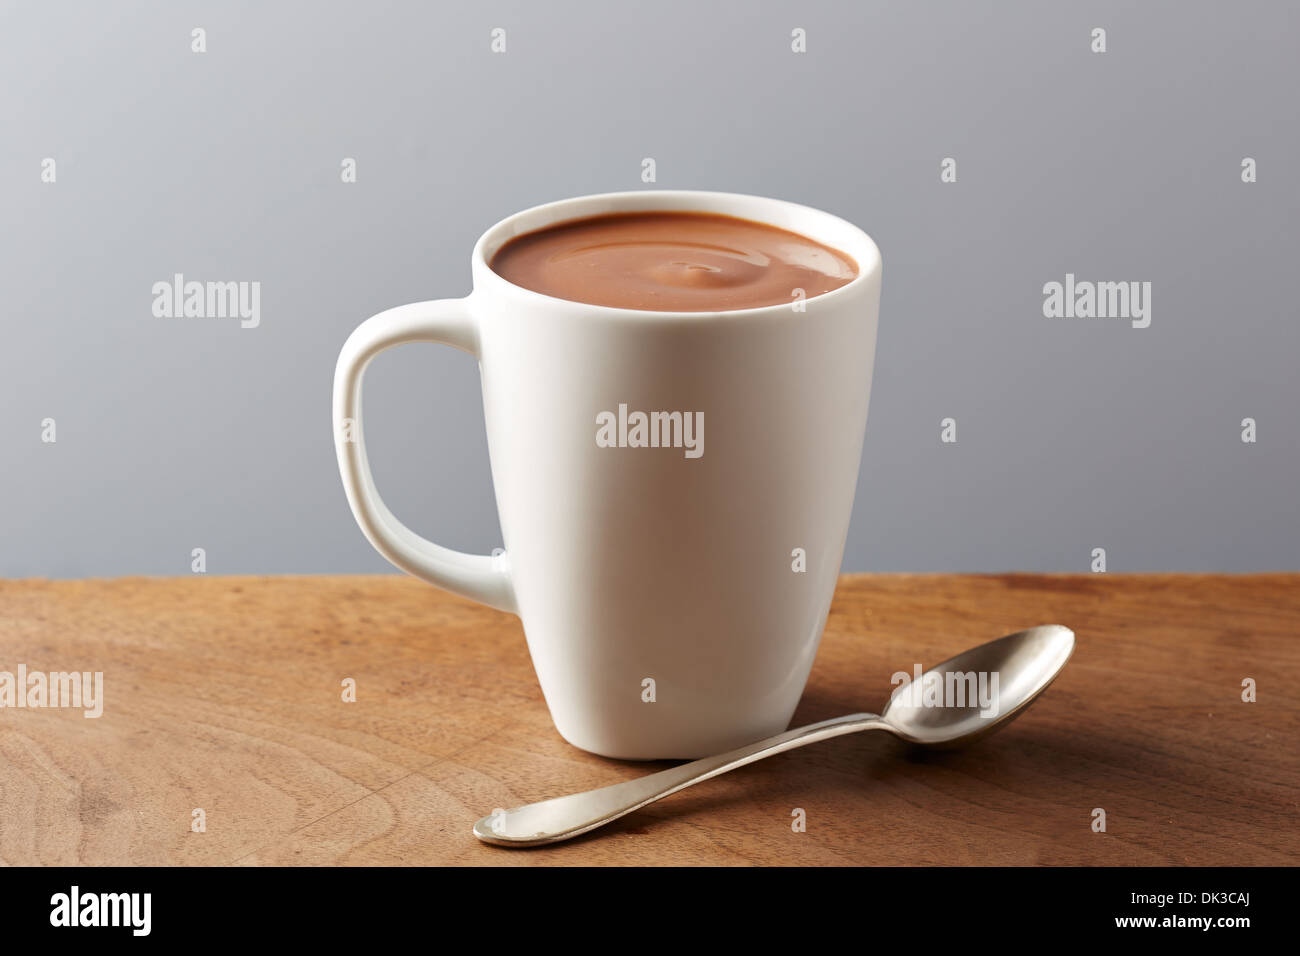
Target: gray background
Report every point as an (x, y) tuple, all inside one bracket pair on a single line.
[(225, 166)]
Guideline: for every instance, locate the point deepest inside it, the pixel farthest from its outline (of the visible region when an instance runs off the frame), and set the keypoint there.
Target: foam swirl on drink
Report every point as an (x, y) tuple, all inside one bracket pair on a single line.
[(672, 262)]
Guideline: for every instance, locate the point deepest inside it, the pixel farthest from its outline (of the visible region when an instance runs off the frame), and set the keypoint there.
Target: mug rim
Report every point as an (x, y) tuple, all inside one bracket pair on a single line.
[(862, 248)]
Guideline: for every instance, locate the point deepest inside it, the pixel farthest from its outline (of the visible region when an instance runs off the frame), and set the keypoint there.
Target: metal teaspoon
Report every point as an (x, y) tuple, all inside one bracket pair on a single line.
[(1025, 663)]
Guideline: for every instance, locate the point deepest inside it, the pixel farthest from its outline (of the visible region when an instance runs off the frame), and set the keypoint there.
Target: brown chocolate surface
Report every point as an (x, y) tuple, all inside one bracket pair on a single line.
[(672, 262)]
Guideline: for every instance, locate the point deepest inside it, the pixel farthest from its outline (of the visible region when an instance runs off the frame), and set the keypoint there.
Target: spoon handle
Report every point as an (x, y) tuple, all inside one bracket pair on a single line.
[(562, 818)]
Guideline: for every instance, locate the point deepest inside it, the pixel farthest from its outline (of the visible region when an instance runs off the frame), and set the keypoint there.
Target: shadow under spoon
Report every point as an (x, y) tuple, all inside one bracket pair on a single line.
[(1023, 664)]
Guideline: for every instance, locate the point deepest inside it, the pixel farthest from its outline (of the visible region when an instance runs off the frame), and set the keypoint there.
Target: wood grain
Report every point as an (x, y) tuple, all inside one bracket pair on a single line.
[(225, 694)]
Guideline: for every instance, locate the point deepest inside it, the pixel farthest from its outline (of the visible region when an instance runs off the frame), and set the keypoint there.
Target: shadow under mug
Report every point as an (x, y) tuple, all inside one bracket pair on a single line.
[(672, 597)]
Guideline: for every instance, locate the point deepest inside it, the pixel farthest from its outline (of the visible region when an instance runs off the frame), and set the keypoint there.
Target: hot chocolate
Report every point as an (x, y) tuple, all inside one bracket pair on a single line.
[(672, 262)]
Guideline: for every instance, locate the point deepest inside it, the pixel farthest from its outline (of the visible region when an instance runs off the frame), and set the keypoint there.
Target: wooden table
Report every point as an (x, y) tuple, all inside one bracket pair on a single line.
[(224, 694)]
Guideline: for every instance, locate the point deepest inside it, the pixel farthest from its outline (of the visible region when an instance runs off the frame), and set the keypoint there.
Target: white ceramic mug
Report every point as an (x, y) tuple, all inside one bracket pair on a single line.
[(660, 592)]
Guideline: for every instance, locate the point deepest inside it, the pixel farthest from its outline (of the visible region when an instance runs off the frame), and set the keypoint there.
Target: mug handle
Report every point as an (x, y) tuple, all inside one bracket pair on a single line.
[(481, 577)]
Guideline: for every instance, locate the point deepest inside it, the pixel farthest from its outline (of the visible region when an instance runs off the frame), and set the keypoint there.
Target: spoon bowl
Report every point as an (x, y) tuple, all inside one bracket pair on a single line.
[(980, 690)]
